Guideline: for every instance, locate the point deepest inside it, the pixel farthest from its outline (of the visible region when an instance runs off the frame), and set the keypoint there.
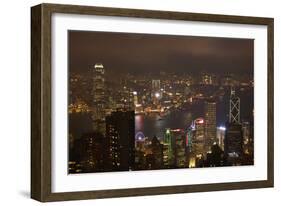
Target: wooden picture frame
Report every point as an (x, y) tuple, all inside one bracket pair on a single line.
[(41, 117)]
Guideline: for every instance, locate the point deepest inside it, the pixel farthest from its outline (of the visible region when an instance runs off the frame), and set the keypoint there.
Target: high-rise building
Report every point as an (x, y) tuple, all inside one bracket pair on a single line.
[(157, 154), (120, 140), (156, 93), (246, 130), (99, 101), (180, 148), (170, 149), (234, 107), (189, 138), (156, 86), (198, 141), (233, 140), (210, 124), (220, 137), (248, 141), (135, 98), (165, 158), (88, 154), (127, 99), (207, 79)]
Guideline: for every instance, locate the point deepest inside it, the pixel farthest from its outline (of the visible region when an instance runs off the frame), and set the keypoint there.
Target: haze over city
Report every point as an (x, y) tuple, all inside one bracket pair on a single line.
[(143, 102)]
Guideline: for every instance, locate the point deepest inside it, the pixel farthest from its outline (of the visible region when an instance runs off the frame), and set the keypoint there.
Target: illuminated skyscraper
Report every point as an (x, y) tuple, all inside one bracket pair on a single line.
[(156, 93), (180, 148), (198, 141), (120, 140), (127, 97), (246, 132), (169, 142), (234, 107), (88, 154), (233, 142), (248, 141), (156, 85), (165, 158), (221, 136), (135, 98), (157, 154), (210, 124), (98, 92), (207, 79)]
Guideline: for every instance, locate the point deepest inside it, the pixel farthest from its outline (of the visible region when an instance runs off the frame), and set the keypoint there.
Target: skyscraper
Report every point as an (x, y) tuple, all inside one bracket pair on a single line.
[(248, 142), (156, 93), (198, 141), (157, 153), (169, 144), (233, 140), (88, 153), (98, 92), (165, 158), (210, 124), (220, 137), (180, 148), (234, 107), (120, 140)]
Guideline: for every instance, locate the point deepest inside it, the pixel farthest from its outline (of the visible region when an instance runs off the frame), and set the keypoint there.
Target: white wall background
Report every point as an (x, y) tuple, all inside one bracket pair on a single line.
[(15, 102)]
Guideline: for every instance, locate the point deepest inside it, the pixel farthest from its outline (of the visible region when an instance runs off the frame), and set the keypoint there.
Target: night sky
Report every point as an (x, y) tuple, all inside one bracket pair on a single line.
[(138, 53)]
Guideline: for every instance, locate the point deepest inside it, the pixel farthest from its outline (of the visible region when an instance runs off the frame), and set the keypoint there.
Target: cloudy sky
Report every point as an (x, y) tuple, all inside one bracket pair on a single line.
[(137, 53)]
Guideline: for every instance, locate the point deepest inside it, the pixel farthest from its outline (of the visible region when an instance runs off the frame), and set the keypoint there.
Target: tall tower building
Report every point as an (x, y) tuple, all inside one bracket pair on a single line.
[(198, 143), (169, 146), (199, 136), (221, 136), (180, 148), (234, 107), (98, 92), (120, 140), (156, 85), (210, 124), (88, 153), (156, 93), (165, 158), (233, 141), (157, 153)]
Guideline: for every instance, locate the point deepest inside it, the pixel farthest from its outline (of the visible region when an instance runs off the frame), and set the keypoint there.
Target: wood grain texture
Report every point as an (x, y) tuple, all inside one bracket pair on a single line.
[(36, 58), (41, 176), (270, 102)]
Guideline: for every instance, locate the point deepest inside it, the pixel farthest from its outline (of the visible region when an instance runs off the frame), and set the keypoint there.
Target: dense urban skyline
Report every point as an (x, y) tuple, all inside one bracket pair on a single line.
[(134, 105)]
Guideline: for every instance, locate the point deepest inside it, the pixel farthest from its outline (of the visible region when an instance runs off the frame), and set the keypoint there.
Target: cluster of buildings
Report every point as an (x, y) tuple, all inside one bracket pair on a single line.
[(202, 144), (112, 144)]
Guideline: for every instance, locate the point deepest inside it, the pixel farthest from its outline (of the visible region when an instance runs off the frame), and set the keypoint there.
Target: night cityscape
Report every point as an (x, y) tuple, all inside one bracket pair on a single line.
[(146, 102)]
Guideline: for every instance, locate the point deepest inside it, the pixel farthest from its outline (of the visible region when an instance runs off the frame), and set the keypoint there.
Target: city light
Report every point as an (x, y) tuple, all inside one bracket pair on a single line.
[(176, 130), (165, 128), (199, 121), (222, 128), (157, 94), (168, 131), (139, 136)]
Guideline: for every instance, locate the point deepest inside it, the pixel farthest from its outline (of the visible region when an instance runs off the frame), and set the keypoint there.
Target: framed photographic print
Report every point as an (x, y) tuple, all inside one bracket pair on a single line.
[(132, 102)]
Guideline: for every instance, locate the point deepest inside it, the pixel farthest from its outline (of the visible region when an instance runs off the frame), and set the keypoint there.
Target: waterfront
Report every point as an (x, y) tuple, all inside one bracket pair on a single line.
[(153, 114), (154, 124)]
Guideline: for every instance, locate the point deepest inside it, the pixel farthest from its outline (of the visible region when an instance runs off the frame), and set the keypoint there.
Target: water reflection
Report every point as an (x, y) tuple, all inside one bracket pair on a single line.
[(154, 124)]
